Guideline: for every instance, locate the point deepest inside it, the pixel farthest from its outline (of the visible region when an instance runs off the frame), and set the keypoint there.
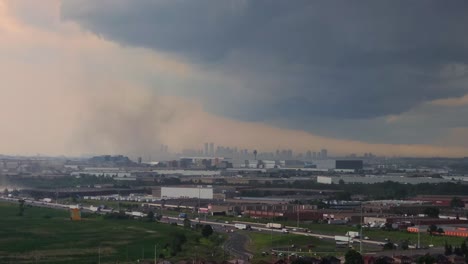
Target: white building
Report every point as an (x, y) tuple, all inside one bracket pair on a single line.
[(109, 174), (328, 164), (188, 172), (187, 192), (324, 180)]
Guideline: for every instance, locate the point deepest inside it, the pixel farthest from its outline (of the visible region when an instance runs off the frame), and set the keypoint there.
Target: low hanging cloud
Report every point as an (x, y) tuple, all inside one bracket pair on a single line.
[(335, 59), (66, 90), (331, 68)]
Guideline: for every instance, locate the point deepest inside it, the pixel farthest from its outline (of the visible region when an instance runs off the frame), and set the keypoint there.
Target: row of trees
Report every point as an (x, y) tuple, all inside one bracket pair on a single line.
[(13, 192), (385, 190), (434, 230), (461, 250), (354, 257), (206, 230)]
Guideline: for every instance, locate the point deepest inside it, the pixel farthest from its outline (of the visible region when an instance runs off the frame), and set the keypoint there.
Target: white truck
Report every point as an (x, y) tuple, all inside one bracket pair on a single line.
[(93, 208), (241, 226), (136, 214), (274, 225), (352, 234), (343, 241), (346, 239)]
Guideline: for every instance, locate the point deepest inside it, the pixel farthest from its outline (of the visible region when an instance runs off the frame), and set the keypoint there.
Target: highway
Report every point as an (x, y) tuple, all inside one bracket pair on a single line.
[(262, 227), (235, 245)]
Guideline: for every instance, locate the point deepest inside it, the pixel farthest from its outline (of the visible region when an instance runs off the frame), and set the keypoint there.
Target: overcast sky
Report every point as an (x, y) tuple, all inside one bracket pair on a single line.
[(123, 76)]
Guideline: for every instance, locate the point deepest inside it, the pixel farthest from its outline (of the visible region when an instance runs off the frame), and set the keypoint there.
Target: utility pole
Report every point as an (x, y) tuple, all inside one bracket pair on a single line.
[(99, 254), (419, 236), (155, 254), (198, 202), (360, 235), (297, 208)]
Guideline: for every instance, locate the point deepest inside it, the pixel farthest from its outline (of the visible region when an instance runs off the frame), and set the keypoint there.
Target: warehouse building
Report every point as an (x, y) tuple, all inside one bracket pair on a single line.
[(349, 165), (195, 192)]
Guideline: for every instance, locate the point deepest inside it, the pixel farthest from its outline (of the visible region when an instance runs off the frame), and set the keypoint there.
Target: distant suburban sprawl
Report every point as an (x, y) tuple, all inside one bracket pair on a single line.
[(306, 208)]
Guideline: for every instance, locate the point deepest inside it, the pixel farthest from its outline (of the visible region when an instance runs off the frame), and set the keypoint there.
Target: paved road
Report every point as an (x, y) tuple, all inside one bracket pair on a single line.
[(235, 246)]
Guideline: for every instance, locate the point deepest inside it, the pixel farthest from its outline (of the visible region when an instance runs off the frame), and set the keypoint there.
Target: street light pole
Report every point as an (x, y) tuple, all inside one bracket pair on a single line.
[(297, 208), (155, 254), (419, 236), (198, 202), (360, 235)]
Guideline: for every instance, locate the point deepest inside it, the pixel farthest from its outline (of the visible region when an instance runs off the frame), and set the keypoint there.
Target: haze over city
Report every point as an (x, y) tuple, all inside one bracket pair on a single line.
[(86, 77), (233, 131)]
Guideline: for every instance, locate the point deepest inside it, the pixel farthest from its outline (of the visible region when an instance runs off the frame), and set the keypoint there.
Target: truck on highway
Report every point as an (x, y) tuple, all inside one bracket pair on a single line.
[(242, 226), (343, 241), (136, 214), (274, 225), (93, 208), (352, 234), (183, 215)]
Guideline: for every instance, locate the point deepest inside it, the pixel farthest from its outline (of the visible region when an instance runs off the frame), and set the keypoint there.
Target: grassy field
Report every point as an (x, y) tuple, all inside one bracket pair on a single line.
[(44, 235), (265, 241), (303, 245)]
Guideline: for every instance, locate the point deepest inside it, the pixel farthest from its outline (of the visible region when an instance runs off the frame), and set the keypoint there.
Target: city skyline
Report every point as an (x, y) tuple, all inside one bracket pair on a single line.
[(74, 85)]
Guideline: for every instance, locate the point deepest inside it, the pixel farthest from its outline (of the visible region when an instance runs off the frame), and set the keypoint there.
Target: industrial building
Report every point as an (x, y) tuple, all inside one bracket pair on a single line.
[(324, 180), (349, 165), (196, 192), (371, 179)]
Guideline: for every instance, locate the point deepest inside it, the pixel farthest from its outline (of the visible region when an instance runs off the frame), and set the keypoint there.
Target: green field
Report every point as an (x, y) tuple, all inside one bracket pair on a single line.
[(45, 235), (303, 245), (266, 241)]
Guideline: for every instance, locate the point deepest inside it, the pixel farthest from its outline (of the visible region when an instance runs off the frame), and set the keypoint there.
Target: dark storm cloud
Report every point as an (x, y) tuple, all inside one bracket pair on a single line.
[(336, 59)]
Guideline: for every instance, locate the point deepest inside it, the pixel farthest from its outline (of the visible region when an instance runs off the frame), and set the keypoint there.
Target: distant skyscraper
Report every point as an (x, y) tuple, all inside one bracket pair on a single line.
[(206, 149), (212, 153), (324, 154)]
